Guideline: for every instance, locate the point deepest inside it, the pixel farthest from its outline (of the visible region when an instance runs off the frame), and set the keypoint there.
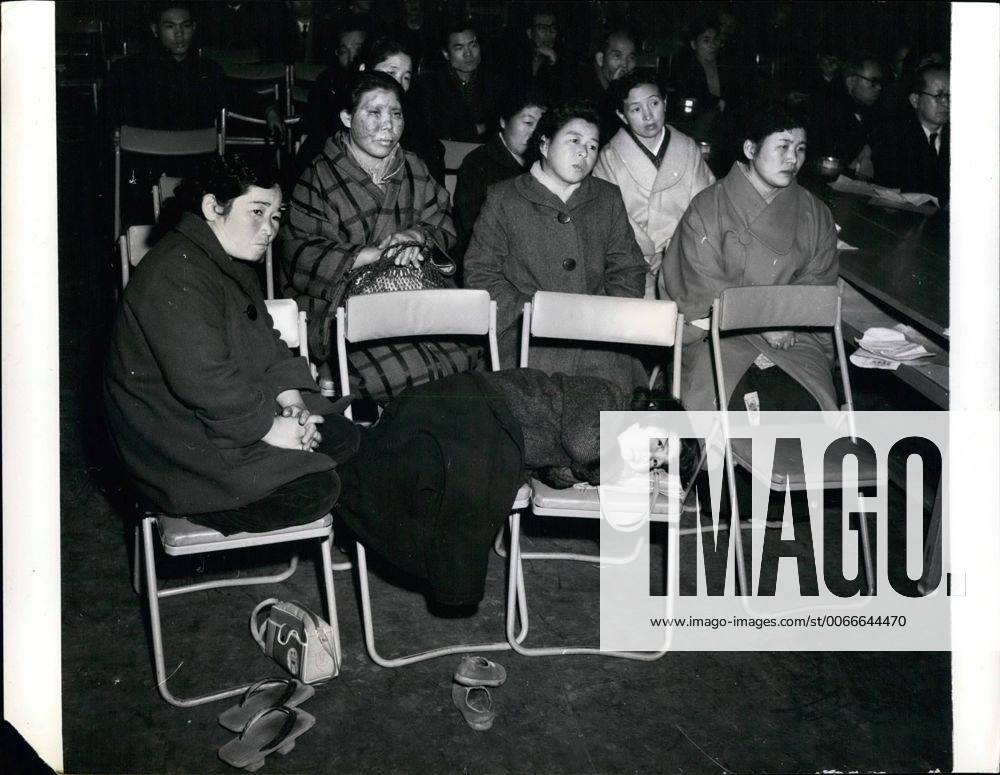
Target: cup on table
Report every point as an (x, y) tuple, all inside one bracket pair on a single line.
[(705, 149), (830, 166)]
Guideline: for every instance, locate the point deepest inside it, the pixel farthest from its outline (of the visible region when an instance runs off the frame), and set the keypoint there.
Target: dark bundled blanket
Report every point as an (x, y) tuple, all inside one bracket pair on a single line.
[(433, 481)]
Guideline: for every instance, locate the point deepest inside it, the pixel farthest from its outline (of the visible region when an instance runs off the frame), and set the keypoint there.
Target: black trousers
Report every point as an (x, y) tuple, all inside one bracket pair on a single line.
[(777, 391), (298, 502)]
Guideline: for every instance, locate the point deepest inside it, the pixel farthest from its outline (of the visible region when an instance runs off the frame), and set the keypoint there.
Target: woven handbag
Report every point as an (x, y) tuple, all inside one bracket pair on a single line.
[(384, 276)]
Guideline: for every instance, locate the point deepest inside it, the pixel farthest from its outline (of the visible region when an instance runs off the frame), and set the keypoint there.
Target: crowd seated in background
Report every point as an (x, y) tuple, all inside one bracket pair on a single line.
[(459, 100), (913, 154), (700, 74), (657, 168), (538, 67), (361, 195), (847, 122), (502, 157), (556, 228), (615, 60), (300, 31), (211, 414), (756, 226)]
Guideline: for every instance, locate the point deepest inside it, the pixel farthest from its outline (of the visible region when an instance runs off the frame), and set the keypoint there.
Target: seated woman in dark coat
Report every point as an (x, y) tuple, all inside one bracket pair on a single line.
[(557, 228), (212, 415), (501, 158)]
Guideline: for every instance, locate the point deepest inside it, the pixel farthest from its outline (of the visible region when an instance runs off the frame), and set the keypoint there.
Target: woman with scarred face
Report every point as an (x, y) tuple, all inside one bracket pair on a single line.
[(756, 226), (557, 228)]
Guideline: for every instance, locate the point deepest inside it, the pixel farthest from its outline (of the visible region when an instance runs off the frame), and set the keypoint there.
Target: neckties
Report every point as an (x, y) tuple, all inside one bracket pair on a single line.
[(932, 142)]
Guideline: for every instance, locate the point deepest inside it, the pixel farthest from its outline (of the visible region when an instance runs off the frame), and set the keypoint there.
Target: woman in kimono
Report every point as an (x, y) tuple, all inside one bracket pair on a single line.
[(211, 414), (756, 226), (361, 195), (657, 169), (556, 228)]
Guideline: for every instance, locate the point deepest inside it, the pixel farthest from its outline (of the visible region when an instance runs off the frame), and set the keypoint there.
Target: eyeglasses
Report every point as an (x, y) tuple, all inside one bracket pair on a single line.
[(875, 82), (938, 98)]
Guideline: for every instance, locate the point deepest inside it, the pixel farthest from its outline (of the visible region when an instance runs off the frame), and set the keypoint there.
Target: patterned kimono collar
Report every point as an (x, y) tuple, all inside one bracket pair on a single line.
[(655, 158)]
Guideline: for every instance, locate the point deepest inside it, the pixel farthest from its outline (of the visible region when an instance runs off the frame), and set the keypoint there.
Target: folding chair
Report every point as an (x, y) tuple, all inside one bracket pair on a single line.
[(228, 138), (407, 314), (163, 190), (158, 142), (781, 307), (608, 319), (454, 152), (179, 537), (132, 246)]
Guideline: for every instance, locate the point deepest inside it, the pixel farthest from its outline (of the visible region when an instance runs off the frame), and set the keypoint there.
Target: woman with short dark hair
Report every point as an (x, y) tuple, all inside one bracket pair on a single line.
[(556, 228), (362, 195), (212, 415), (503, 157), (756, 226)]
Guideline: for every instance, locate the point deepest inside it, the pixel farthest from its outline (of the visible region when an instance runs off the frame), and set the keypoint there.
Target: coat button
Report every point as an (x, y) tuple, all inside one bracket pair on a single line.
[(569, 264), (251, 312), (563, 218), (745, 238)]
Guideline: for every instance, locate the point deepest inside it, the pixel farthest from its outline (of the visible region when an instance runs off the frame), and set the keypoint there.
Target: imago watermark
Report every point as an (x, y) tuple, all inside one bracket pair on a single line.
[(799, 531)]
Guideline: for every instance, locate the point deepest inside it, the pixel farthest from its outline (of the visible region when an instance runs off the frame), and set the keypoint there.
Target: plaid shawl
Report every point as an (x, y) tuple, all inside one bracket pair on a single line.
[(336, 210)]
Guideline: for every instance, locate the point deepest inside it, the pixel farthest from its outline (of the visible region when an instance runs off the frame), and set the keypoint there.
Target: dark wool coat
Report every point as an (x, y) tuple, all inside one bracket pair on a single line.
[(433, 481), (337, 210), (191, 379), (452, 115), (903, 159), (527, 239), (486, 165), (730, 237)]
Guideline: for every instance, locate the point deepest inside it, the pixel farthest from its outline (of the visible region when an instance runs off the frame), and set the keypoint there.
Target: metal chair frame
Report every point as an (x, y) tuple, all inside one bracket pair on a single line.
[(449, 311), (179, 537), (597, 319), (824, 311)]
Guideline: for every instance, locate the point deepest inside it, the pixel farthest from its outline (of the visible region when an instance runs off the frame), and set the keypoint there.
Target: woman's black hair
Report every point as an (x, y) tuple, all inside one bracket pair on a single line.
[(620, 89), (381, 50), (514, 100), (556, 118), (370, 80), (701, 23), (225, 179), (769, 117)]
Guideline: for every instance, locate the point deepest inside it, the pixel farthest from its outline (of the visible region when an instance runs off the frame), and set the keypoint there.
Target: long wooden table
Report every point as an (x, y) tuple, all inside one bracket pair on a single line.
[(901, 268)]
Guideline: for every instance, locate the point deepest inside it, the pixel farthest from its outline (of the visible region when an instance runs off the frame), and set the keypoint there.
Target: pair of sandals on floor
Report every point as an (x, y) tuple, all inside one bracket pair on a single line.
[(470, 690), (268, 719)]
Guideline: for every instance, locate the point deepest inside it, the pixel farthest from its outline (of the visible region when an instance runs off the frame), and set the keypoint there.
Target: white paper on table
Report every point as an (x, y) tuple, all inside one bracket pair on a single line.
[(864, 360), (895, 196), (891, 343), (841, 245), (851, 186)]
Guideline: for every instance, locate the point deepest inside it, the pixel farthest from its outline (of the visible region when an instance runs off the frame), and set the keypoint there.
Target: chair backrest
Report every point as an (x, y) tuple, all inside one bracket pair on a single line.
[(775, 306), (162, 191), (416, 313), (779, 307), (290, 323), (255, 71), (454, 152), (132, 246), (159, 142), (612, 319)]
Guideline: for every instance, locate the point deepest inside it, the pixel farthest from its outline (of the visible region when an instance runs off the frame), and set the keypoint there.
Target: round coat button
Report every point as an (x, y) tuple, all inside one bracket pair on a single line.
[(569, 264), (563, 218), (745, 238), (251, 312)]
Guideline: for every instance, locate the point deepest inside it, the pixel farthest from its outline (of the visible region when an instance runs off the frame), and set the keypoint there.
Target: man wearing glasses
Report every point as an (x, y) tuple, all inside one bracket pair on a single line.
[(847, 124), (915, 154)]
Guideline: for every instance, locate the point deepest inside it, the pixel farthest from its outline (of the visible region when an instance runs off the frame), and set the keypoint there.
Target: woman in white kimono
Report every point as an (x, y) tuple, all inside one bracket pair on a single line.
[(756, 226), (658, 169)]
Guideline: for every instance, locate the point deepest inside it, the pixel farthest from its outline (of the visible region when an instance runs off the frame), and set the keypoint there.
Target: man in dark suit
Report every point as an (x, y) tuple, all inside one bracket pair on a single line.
[(846, 124), (915, 155), (593, 82), (538, 67), (460, 99)]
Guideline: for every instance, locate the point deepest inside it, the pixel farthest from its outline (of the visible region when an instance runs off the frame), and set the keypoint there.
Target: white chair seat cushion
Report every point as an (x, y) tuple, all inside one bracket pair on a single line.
[(177, 532)]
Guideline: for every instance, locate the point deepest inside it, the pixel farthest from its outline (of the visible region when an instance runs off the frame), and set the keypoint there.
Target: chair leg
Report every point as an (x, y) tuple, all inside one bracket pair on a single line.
[(408, 659), (153, 597), (866, 547), (331, 598), (137, 560), (516, 591)]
